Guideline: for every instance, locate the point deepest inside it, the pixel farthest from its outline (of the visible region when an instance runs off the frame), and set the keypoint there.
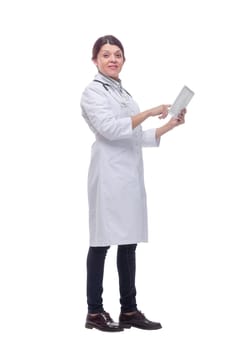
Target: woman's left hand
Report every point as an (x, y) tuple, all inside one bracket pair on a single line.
[(180, 119)]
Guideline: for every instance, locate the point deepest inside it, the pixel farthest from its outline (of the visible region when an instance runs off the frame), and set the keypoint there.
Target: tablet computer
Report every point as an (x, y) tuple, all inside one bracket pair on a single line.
[(181, 101)]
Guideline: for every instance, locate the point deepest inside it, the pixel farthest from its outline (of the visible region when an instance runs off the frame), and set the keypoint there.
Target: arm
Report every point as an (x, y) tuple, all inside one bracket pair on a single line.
[(101, 116), (151, 137), (172, 123), (160, 111)]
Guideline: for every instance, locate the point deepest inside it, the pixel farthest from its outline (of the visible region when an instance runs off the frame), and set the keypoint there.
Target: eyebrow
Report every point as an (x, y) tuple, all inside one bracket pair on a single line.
[(117, 51)]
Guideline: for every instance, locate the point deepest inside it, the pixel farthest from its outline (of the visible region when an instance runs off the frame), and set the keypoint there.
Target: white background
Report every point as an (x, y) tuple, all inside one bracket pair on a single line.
[(184, 274)]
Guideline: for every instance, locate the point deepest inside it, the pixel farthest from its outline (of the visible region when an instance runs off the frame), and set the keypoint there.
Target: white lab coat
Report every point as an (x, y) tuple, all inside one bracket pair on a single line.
[(116, 191)]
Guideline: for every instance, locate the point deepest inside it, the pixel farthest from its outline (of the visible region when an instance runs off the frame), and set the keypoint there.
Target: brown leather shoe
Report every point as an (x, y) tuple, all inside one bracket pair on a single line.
[(138, 320), (103, 322)]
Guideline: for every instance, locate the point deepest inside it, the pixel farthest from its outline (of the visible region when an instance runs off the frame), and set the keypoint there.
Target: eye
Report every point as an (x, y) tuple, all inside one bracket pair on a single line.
[(105, 55), (118, 55)]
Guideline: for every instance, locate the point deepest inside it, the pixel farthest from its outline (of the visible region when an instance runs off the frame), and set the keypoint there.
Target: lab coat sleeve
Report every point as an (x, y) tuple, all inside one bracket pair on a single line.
[(149, 138), (101, 117)]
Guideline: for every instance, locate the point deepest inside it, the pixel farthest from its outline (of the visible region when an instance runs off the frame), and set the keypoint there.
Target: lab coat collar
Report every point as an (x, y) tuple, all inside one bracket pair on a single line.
[(108, 80)]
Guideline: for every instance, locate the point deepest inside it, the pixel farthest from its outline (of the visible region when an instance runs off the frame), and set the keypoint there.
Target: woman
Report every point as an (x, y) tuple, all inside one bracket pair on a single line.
[(116, 192)]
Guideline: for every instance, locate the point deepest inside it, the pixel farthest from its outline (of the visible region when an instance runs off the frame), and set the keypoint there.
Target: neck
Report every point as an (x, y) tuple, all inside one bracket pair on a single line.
[(108, 76)]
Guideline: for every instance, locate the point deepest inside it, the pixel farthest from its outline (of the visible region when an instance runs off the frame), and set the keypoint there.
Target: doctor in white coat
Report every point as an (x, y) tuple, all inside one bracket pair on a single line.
[(116, 191)]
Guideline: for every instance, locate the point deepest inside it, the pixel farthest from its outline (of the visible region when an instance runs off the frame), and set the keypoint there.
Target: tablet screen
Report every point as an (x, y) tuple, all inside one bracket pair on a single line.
[(181, 101)]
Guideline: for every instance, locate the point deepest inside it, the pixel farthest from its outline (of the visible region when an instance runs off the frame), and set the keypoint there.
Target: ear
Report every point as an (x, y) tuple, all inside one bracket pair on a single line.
[(95, 61)]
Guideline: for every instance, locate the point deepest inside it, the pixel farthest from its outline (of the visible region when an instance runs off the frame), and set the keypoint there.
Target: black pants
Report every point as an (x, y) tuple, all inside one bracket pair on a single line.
[(126, 267)]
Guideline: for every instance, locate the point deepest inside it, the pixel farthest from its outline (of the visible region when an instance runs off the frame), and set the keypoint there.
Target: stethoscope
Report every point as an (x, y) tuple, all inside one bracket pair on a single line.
[(107, 86)]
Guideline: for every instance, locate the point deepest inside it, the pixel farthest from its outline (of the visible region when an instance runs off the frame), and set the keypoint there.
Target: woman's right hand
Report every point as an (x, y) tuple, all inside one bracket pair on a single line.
[(160, 111)]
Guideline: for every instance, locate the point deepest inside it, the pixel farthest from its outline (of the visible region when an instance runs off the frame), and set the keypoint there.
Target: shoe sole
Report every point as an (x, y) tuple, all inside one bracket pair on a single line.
[(138, 326), (90, 326)]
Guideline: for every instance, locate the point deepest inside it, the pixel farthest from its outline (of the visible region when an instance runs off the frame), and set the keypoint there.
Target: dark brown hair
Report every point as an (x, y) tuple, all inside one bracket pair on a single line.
[(107, 39)]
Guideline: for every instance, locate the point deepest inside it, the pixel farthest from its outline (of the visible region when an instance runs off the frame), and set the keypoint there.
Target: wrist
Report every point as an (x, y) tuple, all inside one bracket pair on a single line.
[(164, 129), (148, 113), (170, 125)]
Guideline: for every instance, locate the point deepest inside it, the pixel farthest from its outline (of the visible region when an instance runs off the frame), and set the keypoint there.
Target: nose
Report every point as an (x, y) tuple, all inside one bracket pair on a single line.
[(112, 58)]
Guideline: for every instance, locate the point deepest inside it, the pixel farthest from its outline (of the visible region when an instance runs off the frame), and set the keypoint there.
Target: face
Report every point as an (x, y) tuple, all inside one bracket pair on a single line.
[(110, 60)]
